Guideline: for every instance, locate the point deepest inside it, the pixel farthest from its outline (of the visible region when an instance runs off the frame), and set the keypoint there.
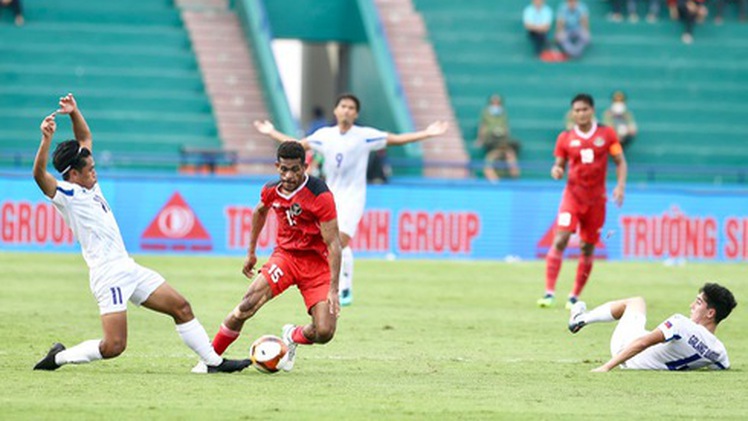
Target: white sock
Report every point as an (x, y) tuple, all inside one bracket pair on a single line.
[(598, 314), (194, 336), (83, 353), (346, 269)]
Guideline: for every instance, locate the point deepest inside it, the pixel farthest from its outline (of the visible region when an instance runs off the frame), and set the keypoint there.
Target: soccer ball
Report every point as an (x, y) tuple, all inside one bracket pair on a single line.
[(266, 353)]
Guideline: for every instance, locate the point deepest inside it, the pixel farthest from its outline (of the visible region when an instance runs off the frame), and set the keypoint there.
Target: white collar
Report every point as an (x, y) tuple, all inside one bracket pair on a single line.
[(588, 134), (301, 186)]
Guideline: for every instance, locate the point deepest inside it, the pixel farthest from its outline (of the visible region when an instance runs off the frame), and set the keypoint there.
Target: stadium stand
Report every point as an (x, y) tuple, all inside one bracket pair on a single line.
[(129, 63), (689, 100)]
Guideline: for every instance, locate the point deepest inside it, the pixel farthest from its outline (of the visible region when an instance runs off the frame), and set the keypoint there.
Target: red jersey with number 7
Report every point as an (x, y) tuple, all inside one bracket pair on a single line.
[(587, 156), (300, 214)]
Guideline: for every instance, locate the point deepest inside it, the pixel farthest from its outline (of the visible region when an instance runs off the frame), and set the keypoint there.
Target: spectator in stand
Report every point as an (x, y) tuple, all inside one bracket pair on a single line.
[(573, 27), (537, 18), (720, 8), (690, 12), (672, 6), (494, 137), (620, 118), (15, 7), (617, 15)]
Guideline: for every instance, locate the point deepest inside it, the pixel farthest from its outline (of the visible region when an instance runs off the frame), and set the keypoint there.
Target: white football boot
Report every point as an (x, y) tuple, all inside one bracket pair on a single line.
[(577, 310), (286, 363)]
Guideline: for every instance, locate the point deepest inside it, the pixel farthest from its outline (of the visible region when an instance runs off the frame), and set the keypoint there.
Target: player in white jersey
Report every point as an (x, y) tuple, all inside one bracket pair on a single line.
[(345, 148), (113, 276), (678, 343)]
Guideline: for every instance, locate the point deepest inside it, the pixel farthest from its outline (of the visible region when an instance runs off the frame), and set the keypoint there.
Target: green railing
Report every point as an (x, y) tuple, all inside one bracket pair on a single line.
[(386, 67), (257, 29)]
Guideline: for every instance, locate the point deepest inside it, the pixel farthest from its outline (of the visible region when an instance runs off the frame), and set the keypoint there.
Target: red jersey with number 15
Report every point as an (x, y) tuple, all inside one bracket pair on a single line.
[(587, 155), (300, 213)]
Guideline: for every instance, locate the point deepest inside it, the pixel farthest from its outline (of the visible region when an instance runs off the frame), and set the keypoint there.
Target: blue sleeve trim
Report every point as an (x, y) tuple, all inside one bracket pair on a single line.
[(316, 142), (65, 192), (375, 139)]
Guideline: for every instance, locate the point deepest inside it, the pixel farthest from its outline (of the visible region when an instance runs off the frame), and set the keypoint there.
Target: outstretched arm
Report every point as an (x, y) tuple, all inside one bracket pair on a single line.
[(436, 128), (46, 182), (331, 237), (80, 127), (634, 348), (268, 129)]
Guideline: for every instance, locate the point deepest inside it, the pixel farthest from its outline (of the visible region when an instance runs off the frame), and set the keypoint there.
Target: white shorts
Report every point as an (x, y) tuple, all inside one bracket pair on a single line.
[(120, 281), (631, 327), (349, 215)]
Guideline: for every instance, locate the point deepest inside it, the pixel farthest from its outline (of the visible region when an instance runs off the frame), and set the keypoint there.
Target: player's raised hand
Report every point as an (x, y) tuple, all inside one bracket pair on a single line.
[(249, 266), (437, 128), (264, 126), (67, 104), (49, 126), (557, 172), (618, 195)]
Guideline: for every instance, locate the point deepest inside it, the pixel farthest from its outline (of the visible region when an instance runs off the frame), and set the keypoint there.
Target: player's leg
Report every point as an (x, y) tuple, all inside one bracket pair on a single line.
[(320, 331), (566, 224), (112, 289), (314, 284), (346, 270), (608, 312), (553, 261), (584, 269), (113, 344), (167, 300), (257, 295), (154, 293), (590, 222)]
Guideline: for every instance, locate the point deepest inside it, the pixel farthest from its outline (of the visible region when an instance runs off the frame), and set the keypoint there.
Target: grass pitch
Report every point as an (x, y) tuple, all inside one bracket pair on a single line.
[(423, 340)]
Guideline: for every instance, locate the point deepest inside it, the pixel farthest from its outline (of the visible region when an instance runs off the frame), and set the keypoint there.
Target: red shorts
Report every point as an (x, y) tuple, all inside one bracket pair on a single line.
[(588, 217), (309, 271)]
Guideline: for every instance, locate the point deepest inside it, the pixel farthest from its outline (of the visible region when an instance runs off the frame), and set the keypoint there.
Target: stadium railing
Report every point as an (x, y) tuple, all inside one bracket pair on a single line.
[(227, 162)]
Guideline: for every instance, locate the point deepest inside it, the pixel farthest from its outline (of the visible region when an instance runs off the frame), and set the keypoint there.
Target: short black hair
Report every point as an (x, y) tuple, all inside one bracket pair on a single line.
[(720, 299), (69, 155), (587, 98), (351, 97), (291, 149)]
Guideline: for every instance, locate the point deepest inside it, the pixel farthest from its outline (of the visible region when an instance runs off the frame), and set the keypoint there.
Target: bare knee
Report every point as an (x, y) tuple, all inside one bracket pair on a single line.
[(561, 240), (112, 348), (182, 312), (324, 334)]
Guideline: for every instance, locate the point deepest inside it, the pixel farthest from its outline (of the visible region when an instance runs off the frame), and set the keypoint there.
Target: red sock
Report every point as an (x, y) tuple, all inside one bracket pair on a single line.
[(298, 336), (552, 268), (583, 273), (223, 339)]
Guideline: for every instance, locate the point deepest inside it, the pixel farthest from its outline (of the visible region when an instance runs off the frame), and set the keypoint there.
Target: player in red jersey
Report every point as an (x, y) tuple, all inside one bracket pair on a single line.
[(585, 148), (307, 255)]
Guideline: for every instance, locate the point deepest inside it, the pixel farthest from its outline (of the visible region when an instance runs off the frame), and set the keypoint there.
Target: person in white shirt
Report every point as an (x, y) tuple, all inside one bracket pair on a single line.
[(678, 343), (345, 148), (114, 277)]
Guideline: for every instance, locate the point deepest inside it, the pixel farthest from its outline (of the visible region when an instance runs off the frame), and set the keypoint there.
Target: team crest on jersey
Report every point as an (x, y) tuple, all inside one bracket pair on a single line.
[(575, 143), (599, 141), (295, 209)]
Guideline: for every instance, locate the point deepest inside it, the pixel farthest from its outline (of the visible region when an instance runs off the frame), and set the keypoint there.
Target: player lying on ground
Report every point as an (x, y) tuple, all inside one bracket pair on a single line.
[(678, 343)]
